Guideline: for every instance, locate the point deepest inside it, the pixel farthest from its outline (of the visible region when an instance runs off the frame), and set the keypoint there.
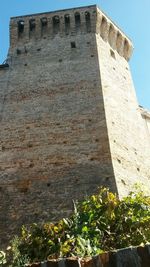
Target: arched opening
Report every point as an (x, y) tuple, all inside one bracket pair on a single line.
[(126, 49), (103, 28), (111, 36), (67, 23), (20, 28), (56, 24), (88, 21), (77, 21), (119, 43), (44, 25), (32, 25), (44, 22)]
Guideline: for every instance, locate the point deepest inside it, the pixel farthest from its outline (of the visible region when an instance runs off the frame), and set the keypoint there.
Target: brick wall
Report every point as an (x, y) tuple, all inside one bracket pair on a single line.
[(68, 116)]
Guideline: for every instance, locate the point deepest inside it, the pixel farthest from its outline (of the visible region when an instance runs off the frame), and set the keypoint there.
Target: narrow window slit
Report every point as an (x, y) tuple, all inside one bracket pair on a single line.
[(88, 21), (67, 24), (103, 27), (20, 28), (44, 22), (32, 25), (77, 21), (56, 24), (44, 25)]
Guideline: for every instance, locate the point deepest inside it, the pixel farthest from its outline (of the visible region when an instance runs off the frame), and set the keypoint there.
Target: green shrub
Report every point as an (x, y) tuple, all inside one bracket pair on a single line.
[(99, 223), (2, 258)]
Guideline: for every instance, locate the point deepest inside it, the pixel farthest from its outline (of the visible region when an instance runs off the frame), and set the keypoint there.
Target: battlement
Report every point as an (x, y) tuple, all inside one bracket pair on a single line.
[(69, 22)]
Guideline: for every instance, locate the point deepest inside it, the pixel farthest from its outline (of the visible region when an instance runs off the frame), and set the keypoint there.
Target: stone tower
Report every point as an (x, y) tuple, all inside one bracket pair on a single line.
[(69, 118)]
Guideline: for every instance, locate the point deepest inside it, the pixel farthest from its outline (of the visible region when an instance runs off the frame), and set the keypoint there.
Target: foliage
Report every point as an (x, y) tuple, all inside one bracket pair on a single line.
[(19, 258), (99, 223), (2, 258)]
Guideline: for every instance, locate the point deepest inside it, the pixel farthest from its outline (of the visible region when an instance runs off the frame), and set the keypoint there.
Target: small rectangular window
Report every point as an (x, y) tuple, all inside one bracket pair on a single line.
[(73, 45)]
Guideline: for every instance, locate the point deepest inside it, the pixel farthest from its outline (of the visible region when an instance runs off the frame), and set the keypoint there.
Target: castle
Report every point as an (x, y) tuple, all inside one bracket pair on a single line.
[(69, 118)]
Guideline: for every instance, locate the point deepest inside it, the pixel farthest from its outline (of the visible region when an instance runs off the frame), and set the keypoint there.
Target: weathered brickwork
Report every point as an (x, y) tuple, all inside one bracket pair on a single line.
[(69, 117)]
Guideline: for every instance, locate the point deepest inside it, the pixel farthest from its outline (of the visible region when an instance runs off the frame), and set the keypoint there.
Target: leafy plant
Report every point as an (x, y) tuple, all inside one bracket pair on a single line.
[(99, 223), (2, 258), (19, 259)]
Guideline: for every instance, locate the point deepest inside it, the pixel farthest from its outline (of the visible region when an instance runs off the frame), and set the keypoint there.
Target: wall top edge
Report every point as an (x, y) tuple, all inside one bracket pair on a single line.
[(55, 11)]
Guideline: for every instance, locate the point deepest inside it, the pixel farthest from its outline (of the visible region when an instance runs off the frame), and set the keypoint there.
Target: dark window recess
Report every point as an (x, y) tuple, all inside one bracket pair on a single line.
[(126, 48), (44, 25), (67, 24), (44, 22), (73, 45), (18, 51), (103, 27), (88, 21), (123, 181), (3, 148), (25, 50), (77, 21), (32, 25), (112, 53), (119, 160), (20, 27), (56, 24)]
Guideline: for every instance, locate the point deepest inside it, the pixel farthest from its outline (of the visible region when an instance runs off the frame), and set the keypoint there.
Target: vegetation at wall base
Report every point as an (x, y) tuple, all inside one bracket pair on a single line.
[(99, 223), (2, 258)]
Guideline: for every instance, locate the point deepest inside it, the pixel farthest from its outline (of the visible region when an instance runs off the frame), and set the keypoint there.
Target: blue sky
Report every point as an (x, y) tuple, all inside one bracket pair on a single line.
[(131, 16)]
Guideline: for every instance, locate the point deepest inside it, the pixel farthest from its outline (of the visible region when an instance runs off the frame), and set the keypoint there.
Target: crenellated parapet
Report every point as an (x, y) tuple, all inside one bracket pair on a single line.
[(70, 22), (49, 25), (113, 35)]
